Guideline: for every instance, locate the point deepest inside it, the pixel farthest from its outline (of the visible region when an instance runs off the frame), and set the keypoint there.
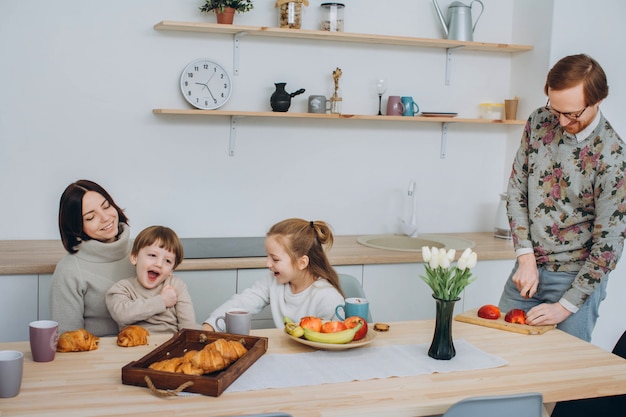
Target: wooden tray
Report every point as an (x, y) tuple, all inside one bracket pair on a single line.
[(471, 317), (212, 384)]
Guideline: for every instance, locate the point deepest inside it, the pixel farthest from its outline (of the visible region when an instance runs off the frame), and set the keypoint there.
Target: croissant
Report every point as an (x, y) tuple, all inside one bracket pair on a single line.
[(231, 350), (167, 365), (77, 341), (212, 358), (133, 336), (188, 368), (209, 360)]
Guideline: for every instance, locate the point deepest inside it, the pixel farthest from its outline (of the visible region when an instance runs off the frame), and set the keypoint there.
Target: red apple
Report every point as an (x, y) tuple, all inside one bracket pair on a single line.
[(311, 323), (489, 311), (516, 316), (333, 327), (352, 322)]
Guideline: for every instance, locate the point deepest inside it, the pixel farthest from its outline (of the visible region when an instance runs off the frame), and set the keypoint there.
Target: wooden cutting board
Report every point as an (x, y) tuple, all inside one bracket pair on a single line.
[(471, 317)]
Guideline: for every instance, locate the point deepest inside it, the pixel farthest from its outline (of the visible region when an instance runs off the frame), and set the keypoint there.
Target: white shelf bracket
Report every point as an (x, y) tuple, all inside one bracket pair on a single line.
[(444, 137), (232, 141), (236, 38), (449, 62)]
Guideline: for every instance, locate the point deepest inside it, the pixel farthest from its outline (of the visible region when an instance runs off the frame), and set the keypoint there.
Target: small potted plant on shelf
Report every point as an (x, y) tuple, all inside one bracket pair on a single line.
[(225, 9)]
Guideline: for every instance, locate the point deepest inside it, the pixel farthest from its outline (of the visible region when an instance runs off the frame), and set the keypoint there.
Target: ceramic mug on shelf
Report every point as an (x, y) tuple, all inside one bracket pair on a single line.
[(354, 306), (236, 320), (318, 104), (395, 106), (410, 106)]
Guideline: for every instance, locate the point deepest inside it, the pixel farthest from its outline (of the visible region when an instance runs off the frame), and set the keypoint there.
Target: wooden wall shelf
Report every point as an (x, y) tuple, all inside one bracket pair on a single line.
[(338, 36), (288, 115)]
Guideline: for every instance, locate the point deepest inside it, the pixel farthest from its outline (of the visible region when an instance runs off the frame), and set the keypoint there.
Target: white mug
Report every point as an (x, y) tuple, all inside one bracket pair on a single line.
[(236, 320)]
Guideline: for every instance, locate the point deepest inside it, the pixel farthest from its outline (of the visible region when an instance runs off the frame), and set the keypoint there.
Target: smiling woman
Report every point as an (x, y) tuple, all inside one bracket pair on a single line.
[(95, 233)]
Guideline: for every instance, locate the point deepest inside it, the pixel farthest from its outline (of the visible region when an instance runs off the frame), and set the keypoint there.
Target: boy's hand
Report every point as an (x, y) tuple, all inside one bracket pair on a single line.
[(169, 296)]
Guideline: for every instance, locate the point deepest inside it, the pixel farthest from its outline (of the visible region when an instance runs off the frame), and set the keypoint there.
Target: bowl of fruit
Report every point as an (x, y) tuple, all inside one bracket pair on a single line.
[(312, 331)]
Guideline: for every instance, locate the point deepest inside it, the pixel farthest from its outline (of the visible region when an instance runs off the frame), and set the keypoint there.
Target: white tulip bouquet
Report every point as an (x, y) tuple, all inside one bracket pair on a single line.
[(447, 281)]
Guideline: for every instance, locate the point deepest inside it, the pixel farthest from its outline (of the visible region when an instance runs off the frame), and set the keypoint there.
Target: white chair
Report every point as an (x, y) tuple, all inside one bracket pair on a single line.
[(518, 405), (352, 289)]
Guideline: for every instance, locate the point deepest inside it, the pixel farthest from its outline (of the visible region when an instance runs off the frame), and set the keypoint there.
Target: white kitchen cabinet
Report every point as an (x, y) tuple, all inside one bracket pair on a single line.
[(43, 282), (18, 306), (396, 292), (490, 279), (208, 289)]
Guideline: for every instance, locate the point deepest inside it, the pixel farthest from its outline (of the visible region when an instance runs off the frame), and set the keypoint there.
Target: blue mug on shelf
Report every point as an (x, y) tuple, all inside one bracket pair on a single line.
[(353, 307), (410, 106)]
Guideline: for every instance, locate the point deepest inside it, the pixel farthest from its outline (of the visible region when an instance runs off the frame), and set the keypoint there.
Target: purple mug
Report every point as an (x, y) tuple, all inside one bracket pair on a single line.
[(394, 106), (44, 335)]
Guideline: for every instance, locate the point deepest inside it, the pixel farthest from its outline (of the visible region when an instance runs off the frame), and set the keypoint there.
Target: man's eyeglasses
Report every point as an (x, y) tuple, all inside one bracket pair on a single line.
[(572, 115)]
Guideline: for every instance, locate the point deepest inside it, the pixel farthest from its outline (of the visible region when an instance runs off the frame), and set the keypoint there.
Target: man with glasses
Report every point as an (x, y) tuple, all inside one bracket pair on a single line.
[(566, 203)]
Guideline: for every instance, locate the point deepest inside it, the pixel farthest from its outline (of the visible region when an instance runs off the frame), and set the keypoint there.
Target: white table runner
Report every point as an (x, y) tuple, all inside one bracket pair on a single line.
[(327, 367)]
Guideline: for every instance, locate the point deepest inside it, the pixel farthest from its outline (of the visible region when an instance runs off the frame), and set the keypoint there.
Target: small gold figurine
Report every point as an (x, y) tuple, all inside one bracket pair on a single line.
[(336, 99)]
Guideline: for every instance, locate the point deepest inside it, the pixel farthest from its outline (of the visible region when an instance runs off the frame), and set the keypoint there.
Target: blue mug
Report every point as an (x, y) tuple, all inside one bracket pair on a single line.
[(353, 307), (410, 106)]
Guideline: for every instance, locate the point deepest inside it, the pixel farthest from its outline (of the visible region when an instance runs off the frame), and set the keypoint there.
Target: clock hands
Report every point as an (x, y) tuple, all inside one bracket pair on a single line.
[(207, 86)]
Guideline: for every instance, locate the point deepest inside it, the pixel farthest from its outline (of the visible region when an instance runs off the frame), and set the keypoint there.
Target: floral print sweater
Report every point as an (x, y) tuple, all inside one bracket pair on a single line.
[(567, 200)]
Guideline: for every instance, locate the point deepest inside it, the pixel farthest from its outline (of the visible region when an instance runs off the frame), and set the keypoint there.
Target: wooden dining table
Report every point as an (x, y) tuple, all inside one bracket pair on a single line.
[(559, 366)]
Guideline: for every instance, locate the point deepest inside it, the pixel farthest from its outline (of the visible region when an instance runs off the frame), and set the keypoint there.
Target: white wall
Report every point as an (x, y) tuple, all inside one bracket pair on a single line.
[(78, 95)]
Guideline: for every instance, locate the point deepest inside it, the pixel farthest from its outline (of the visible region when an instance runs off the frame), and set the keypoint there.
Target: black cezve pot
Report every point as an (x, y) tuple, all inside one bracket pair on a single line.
[(280, 99)]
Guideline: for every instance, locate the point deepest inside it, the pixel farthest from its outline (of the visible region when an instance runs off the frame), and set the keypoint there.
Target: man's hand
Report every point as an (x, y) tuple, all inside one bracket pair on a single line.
[(526, 278), (208, 327), (546, 313)]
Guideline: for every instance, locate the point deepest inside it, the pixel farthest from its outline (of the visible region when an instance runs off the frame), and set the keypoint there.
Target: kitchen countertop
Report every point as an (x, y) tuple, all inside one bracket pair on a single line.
[(41, 256)]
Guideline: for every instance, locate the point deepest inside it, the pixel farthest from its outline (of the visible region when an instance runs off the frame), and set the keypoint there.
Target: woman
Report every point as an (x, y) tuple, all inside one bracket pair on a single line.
[(95, 232)]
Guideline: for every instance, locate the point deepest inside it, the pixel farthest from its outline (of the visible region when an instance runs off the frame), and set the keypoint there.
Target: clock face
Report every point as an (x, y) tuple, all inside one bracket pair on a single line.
[(205, 84)]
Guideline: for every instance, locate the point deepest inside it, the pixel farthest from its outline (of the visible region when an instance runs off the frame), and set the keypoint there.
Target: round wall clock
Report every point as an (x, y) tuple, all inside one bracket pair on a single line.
[(205, 84)]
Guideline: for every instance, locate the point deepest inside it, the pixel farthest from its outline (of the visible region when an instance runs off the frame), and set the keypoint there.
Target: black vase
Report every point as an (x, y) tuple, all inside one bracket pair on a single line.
[(442, 346), (281, 99)]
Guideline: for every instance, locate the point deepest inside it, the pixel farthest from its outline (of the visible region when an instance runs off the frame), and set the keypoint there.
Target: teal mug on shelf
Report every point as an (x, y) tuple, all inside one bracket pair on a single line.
[(410, 106)]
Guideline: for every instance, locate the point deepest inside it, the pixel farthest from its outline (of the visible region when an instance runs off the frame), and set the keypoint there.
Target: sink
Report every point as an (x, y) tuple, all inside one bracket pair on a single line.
[(414, 244)]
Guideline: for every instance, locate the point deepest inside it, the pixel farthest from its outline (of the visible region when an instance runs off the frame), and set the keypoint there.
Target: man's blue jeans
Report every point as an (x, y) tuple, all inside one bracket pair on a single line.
[(552, 286)]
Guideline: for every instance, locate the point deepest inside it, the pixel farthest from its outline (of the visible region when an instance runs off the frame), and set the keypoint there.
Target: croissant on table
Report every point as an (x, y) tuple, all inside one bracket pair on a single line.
[(212, 358), (231, 350), (77, 341), (133, 336)]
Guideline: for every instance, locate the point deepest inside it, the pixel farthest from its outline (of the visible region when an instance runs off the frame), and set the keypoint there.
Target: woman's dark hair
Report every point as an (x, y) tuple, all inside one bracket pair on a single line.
[(300, 237), (71, 213), (574, 69)]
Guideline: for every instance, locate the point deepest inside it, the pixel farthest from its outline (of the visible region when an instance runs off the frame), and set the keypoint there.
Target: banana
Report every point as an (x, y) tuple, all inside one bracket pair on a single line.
[(342, 337), (292, 329), (287, 320)]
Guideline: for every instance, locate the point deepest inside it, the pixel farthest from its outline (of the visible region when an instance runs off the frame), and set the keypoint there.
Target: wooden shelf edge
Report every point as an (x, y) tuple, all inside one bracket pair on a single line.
[(203, 27), (287, 115)]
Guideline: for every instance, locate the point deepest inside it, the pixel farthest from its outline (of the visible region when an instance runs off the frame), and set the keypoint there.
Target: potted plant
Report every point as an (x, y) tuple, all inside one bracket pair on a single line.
[(225, 9)]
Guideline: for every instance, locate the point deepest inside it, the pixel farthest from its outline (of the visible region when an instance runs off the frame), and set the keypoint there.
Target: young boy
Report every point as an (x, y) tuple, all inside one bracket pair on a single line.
[(154, 299)]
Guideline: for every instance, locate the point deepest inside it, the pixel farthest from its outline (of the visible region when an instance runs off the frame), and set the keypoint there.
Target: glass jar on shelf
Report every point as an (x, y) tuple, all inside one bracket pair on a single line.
[(290, 13), (332, 17)]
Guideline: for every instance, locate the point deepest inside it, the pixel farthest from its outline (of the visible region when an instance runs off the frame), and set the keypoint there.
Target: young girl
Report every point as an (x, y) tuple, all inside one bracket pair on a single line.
[(301, 281), (95, 233), (154, 299)]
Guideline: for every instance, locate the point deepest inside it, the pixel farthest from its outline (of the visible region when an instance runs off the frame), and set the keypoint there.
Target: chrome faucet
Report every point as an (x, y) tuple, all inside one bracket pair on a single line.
[(410, 227)]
